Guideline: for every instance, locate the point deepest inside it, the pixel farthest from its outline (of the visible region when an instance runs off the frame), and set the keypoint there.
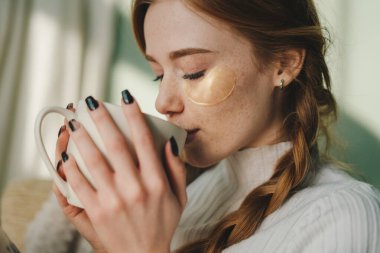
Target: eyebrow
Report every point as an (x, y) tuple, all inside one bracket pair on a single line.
[(182, 52)]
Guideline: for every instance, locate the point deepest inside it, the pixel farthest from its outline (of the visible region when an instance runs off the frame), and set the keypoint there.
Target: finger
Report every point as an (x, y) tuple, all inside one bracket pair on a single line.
[(62, 201), (141, 136), (92, 157), (176, 172), (60, 171), (69, 107), (61, 144), (83, 189), (73, 213), (116, 146)]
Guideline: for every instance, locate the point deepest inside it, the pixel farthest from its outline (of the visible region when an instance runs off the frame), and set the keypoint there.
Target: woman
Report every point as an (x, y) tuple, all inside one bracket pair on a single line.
[(249, 82)]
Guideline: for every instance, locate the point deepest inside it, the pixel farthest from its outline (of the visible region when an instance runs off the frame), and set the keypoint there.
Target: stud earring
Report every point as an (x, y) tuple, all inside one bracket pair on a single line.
[(282, 84)]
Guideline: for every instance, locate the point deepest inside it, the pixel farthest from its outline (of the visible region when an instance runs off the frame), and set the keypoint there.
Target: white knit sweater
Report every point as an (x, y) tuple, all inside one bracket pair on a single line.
[(336, 213)]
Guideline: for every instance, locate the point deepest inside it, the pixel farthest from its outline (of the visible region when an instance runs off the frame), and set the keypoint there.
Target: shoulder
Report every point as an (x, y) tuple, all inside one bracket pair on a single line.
[(331, 188), (335, 188), (336, 194), (336, 213), (339, 214)]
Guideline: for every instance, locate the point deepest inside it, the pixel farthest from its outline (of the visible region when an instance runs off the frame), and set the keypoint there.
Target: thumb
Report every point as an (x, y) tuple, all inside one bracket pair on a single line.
[(176, 171)]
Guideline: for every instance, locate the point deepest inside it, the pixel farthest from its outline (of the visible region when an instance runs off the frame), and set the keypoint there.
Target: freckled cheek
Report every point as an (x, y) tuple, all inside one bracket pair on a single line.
[(220, 111), (218, 102), (216, 87), (216, 122)]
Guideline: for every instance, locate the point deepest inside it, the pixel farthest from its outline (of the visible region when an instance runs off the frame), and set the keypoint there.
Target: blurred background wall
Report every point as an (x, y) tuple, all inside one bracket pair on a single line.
[(53, 52), (354, 61)]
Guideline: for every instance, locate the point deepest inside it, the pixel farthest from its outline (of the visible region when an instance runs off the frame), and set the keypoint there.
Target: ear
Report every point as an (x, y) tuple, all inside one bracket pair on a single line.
[(288, 66)]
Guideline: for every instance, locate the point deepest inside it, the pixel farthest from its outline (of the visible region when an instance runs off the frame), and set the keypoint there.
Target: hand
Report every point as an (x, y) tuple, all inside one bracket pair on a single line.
[(76, 216), (136, 205)]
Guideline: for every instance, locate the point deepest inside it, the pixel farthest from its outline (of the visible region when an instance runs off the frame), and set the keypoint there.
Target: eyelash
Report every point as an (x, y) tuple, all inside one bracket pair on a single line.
[(158, 78), (192, 76)]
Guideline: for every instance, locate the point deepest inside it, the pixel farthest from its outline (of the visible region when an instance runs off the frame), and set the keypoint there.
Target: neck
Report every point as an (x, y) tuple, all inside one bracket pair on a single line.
[(272, 135)]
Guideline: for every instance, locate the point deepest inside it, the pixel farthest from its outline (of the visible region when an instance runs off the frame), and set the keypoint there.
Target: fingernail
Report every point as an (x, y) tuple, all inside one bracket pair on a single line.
[(70, 106), (63, 128), (59, 165), (174, 146), (73, 124), (60, 170), (65, 157), (91, 103), (127, 97)]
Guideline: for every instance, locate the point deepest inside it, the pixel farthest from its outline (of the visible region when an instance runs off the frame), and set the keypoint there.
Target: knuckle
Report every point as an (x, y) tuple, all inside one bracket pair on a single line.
[(76, 184), (117, 145), (133, 114), (137, 196), (158, 188), (144, 134), (95, 161), (99, 116), (99, 216), (80, 135), (115, 206), (146, 137)]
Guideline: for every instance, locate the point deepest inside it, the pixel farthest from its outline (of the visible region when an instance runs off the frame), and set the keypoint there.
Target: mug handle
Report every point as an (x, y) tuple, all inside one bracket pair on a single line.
[(69, 115)]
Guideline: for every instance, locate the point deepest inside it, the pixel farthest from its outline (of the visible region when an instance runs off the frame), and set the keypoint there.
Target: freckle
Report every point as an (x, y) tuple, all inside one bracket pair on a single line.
[(214, 88)]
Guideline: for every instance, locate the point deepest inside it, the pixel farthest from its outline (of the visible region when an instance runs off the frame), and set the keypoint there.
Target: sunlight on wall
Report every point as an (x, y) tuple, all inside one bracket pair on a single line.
[(355, 57), (139, 83), (131, 71)]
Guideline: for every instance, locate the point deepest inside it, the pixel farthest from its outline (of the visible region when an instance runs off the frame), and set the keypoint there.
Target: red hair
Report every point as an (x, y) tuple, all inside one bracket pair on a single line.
[(273, 27)]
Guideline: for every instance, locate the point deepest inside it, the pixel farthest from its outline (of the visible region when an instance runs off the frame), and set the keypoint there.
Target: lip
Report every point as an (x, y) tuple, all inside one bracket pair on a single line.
[(191, 134)]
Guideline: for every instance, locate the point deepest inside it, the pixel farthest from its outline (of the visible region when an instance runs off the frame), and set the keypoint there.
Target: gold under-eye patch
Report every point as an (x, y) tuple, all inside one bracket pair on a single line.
[(214, 88)]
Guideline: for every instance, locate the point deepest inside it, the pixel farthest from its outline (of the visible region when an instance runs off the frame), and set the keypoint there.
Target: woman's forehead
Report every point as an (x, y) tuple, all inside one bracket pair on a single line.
[(171, 26)]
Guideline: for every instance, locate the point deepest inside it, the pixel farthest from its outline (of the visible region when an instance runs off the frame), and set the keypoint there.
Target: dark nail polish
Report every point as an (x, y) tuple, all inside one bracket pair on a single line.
[(174, 146), (12, 248), (70, 106), (59, 165), (60, 170), (65, 157), (72, 125), (92, 103), (63, 128), (127, 97)]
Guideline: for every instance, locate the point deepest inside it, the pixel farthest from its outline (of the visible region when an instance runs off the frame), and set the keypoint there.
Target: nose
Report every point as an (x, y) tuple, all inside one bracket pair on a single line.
[(169, 100)]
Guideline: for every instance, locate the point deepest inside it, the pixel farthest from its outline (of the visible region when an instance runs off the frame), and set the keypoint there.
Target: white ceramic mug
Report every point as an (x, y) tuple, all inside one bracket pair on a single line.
[(161, 130)]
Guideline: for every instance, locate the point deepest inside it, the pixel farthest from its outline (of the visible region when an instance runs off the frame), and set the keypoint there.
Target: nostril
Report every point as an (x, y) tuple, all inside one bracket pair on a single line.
[(169, 101), (170, 115)]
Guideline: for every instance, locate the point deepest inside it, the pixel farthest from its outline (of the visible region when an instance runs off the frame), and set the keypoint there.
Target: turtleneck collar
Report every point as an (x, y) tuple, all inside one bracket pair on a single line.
[(220, 190), (253, 166)]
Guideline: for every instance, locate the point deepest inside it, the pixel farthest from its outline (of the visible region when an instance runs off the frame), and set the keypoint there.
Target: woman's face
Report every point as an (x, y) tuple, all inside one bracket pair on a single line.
[(185, 49)]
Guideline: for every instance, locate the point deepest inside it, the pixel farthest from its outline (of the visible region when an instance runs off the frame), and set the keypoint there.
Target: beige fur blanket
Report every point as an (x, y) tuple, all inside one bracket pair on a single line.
[(20, 202)]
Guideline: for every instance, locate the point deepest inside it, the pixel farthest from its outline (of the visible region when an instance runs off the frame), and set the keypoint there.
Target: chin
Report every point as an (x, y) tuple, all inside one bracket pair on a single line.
[(197, 158)]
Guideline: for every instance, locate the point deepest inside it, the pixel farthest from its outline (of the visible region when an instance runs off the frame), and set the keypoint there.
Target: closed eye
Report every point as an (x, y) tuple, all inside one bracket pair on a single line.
[(194, 76), (158, 78)]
